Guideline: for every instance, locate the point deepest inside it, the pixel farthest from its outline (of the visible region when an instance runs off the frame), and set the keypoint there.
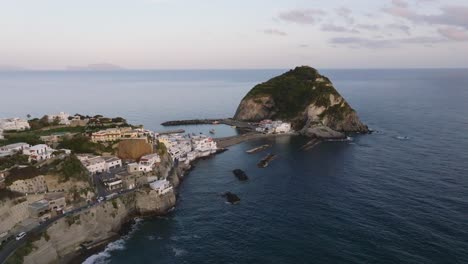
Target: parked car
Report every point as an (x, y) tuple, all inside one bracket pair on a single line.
[(20, 235)]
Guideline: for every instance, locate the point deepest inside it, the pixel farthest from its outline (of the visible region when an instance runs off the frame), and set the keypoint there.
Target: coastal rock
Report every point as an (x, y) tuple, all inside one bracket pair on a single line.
[(231, 198), (240, 174), (101, 223), (306, 99)]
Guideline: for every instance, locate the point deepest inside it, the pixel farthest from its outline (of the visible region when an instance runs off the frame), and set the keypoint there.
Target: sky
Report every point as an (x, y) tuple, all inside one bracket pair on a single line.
[(222, 34)]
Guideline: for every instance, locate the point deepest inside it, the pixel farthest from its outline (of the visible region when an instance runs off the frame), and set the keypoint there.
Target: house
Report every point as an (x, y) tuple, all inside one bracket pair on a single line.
[(112, 163), (1, 134), (268, 126), (12, 148), (38, 152), (114, 134), (112, 182), (282, 127), (161, 186), (133, 167), (204, 145), (111, 134), (148, 162), (52, 202), (38, 208), (129, 180), (14, 124), (94, 164), (61, 117), (57, 202)]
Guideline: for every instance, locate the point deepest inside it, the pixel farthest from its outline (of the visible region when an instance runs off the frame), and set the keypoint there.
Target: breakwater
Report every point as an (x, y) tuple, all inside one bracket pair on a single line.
[(234, 140), (211, 121)]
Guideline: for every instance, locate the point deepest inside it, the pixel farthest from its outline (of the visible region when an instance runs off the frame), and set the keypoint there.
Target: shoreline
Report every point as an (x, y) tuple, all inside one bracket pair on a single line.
[(127, 227)]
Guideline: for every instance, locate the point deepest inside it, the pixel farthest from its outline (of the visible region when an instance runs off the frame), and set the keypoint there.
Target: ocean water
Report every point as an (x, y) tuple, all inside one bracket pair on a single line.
[(399, 195)]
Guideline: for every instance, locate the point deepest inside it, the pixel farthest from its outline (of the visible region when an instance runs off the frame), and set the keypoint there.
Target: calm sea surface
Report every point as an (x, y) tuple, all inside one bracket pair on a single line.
[(397, 196)]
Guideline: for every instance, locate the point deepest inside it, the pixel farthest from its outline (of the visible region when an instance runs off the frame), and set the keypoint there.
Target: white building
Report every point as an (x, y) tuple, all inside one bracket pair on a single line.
[(282, 127), (17, 147), (1, 134), (148, 162), (39, 152), (94, 164), (112, 163), (278, 127), (161, 186), (7, 124), (61, 117), (204, 145)]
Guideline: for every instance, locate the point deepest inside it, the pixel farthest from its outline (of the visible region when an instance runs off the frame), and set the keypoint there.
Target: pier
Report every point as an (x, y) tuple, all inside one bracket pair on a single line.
[(212, 121)]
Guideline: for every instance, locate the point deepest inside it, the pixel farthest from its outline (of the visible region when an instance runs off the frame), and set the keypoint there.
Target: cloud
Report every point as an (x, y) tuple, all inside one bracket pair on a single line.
[(449, 15), (355, 42), (370, 27), (272, 31), (334, 28), (345, 13), (399, 27), (399, 3), (454, 33), (302, 16)]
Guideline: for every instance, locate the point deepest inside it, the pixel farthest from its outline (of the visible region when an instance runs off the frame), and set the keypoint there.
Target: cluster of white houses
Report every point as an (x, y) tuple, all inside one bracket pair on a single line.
[(14, 124), (98, 164), (273, 127), (188, 147), (36, 153)]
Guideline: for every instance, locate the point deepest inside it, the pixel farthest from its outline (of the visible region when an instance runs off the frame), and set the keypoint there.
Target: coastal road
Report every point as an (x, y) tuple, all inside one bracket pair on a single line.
[(11, 246)]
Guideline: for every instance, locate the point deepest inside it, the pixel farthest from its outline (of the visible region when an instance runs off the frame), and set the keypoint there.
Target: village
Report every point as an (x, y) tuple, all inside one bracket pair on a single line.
[(108, 168)]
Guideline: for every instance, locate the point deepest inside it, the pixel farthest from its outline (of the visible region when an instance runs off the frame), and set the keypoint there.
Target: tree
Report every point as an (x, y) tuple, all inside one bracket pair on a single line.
[(28, 116), (56, 121), (44, 121)]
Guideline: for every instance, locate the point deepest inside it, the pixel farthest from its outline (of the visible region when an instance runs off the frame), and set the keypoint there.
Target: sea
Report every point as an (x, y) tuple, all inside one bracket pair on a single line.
[(399, 195)]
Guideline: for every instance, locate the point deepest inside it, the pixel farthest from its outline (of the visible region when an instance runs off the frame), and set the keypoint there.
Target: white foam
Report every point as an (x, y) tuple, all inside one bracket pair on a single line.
[(178, 251), (104, 256)]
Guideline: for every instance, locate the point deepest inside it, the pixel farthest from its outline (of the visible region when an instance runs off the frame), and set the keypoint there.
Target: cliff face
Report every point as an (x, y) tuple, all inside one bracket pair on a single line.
[(305, 98), (99, 223)]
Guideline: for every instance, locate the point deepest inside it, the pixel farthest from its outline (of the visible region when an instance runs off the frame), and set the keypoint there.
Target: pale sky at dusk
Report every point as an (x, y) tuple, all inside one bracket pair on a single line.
[(215, 34)]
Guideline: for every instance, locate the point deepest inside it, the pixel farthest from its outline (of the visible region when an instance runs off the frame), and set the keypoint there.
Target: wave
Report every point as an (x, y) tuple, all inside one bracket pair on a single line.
[(178, 251), (402, 138), (103, 257)]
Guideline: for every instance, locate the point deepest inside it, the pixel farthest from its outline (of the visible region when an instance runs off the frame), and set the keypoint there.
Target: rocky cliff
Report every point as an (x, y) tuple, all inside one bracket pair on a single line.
[(102, 223), (305, 98)]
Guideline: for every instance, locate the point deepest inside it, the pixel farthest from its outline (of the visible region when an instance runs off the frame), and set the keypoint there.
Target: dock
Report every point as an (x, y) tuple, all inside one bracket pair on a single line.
[(177, 131), (257, 149), (266, 161), (212, 121)]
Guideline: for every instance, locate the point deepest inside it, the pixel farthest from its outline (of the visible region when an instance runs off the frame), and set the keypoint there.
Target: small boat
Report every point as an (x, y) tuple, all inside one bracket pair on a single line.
[(265, 161), (212, 131), (215, 122), (257, 149)]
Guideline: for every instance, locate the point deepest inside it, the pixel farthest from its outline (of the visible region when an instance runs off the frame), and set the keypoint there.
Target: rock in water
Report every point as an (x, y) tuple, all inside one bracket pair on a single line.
[(306, 99), (231, 197), (240, 174)]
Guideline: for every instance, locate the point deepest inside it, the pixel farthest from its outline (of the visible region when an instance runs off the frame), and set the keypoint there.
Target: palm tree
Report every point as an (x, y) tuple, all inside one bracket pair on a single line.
[(28, 116)]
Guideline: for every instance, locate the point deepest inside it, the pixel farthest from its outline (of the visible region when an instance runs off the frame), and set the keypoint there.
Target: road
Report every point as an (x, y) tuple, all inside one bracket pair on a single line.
[(10, 247)]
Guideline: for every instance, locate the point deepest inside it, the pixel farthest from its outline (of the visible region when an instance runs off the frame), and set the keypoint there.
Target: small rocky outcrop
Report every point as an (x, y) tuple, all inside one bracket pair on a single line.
[(305, 98), (240, 175), (231, 198)]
